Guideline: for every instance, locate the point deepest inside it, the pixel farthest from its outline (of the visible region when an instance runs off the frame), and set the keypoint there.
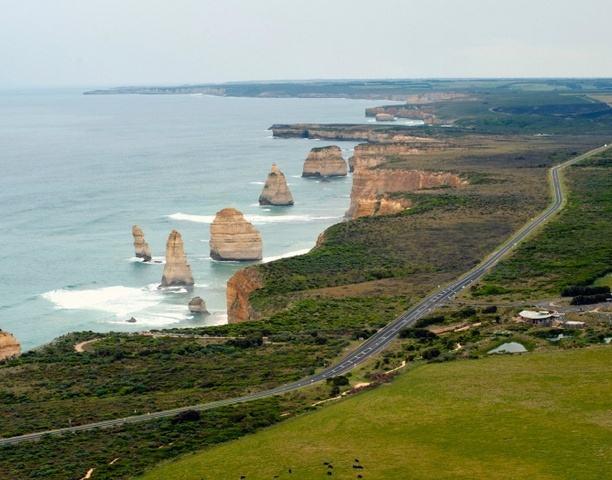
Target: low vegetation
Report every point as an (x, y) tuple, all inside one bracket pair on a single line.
[(459, 420)]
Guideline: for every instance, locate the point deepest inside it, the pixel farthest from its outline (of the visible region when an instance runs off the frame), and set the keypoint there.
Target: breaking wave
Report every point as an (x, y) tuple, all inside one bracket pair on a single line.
[(147, 305), (260, 219), (286, 255)]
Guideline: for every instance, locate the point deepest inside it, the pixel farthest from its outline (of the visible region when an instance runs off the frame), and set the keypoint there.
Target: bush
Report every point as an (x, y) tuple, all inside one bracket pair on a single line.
[(419, 333), (577, 290), (425, 322), (490, 309), (430, 353), (187, 416), (587, 299), (465, 312)]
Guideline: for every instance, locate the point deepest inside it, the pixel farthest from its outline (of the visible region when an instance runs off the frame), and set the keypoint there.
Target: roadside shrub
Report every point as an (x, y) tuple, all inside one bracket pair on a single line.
[(425, 322), (186, 416), (419, 333)]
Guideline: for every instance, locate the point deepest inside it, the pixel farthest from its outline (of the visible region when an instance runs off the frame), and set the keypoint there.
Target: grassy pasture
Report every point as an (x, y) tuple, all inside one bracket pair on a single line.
[(538, 416)]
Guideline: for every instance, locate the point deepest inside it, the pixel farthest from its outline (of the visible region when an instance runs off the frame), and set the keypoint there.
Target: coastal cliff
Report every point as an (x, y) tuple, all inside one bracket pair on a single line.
[(239, 288), (232, 237), (352, 132), (325, 162), (276, 191), (9, 346), (141, 247), (373, 189), (390, 112), (177, 271), (372, 155)]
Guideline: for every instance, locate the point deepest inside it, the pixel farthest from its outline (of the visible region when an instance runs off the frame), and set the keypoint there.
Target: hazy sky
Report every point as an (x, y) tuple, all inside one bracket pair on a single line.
[(127, 42)]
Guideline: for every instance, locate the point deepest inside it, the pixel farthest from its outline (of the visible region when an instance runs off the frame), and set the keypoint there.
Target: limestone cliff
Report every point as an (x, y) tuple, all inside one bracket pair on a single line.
[(239, 288), (372, 189), (141, 247), (233, 238), (372, 155), (325, 162), (276, 191), (9, 346), (385, 117), (177, 271), (352, 132)]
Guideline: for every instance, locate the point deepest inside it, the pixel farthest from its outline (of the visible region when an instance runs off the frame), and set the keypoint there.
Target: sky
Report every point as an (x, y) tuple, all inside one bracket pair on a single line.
[(56, 43)]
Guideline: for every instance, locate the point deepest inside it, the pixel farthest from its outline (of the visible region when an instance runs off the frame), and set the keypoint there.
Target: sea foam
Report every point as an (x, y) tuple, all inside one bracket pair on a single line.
[(147, 304)]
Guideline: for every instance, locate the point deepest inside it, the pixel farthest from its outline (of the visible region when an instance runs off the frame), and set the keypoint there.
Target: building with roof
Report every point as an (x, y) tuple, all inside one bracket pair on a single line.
[(540, 318)]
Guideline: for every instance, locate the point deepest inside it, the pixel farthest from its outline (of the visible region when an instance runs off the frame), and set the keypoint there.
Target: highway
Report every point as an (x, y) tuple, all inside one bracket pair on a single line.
[(373, 344)]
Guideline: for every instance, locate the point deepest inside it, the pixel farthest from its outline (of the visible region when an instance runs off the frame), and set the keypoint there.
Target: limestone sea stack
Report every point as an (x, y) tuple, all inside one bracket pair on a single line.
[(325, 162), (276, 191), (9, 346), (177, 271), (198, 305), (141, 247), (232, 237)]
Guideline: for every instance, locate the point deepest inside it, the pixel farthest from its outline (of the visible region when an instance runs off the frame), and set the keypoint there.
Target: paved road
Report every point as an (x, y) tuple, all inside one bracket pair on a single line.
[(372, 345)]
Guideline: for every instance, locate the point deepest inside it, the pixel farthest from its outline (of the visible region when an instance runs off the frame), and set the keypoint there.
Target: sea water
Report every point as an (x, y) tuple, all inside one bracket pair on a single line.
[(77, 171)]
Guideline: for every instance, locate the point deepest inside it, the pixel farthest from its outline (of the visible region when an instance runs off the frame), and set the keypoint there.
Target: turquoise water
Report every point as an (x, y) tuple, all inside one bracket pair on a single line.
[(78, 171)]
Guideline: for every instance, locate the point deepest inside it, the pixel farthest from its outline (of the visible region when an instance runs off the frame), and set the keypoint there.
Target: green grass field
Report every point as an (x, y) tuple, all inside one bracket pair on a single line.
[(537, 416)]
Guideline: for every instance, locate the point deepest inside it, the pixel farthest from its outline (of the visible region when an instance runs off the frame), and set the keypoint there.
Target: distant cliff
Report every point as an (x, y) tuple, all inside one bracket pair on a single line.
[(353, 132)]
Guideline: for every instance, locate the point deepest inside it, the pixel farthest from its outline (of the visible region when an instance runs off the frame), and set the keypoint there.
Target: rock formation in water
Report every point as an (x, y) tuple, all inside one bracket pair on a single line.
[(141, 247), (276, 191), (9, 346), (239, 288), (325, 162), (177, 271), (198, 305), (234, 238)]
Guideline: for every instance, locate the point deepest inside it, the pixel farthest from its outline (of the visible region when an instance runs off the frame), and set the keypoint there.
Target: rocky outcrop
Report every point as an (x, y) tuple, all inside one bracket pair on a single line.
[(239, 289), (197, 305), (352, 132), (325, 162), (385, 117), (177, 271), (234, 238), (276, 191), (141, 247), (375, 191), (9, 346)]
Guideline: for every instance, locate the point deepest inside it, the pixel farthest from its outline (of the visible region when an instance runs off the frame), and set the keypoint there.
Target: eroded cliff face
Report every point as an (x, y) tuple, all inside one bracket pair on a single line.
[(276, 191), (141, 247), (325, 162), (373, 189), (177, 271), (239, 288), (232, 237), (9, 346)]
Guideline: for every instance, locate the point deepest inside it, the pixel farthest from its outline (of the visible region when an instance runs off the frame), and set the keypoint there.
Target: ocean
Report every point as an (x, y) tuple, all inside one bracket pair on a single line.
[(78, 171)]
